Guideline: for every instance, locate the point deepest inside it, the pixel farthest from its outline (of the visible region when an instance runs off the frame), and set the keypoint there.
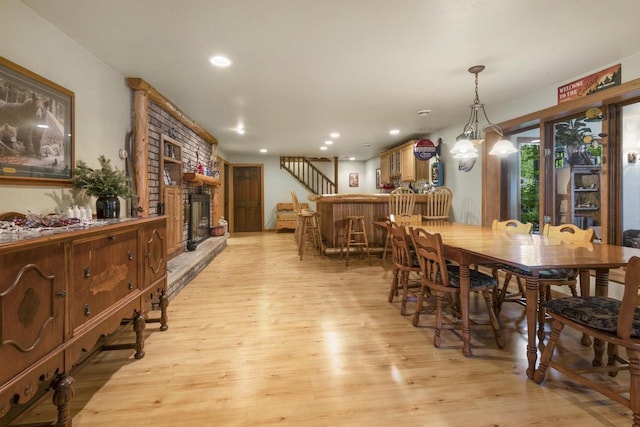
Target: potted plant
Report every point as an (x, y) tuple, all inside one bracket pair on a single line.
[(107, 183), (574, 135)]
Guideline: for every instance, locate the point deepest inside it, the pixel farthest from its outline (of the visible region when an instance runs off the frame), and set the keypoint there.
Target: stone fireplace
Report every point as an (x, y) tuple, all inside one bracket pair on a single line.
[(199, 220)]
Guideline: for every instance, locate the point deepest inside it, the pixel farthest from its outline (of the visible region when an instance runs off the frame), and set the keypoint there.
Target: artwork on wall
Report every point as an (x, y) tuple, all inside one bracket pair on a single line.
[(354, 179), (466, 165), (378, 178), (36, 128)]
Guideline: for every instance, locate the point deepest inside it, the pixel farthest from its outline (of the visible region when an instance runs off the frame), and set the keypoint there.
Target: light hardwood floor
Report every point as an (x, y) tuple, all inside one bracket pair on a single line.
[(261, 338)]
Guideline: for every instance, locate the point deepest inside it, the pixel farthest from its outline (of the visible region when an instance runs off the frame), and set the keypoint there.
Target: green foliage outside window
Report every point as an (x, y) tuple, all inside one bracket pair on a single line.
[(530, 184)]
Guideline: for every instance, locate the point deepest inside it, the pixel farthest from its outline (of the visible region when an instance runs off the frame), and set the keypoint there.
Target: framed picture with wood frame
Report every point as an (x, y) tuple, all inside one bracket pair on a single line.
[(36, 128), (354, 179)]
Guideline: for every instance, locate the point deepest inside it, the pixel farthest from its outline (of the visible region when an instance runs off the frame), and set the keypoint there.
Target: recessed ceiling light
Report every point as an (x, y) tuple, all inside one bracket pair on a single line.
[(334, 135), (220, 61), (328, 142), (263, 150), (366, 145), (324, 147), (394, 131), (352, 158), (424, 112), (240, 129)]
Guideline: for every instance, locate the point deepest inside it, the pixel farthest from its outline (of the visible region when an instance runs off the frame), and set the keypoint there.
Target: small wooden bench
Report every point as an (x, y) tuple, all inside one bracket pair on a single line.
[(286, 218)]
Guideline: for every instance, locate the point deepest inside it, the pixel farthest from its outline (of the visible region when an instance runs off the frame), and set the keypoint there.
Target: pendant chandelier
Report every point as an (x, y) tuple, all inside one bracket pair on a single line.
[(473, 132)]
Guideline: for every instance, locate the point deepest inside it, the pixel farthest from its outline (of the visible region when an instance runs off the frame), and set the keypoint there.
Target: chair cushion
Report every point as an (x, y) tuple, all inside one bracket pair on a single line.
[(478, 281), (551, 274), (595, 312)]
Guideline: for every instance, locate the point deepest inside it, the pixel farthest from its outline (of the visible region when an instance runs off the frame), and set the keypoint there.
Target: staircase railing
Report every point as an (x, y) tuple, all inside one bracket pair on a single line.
[(307, 174)]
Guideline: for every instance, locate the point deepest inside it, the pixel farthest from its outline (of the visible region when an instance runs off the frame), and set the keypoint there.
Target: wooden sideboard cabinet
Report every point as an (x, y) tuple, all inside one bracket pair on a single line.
[(61, 292)]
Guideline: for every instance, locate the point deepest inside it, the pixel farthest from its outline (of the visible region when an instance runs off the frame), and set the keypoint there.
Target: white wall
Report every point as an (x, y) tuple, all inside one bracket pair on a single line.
[(102, 100), (631, 171), (103, 118), (278, 183), (467, 186)]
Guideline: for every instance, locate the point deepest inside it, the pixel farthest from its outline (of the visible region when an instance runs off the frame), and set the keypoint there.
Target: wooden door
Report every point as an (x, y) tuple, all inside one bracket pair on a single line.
[(247, 198)]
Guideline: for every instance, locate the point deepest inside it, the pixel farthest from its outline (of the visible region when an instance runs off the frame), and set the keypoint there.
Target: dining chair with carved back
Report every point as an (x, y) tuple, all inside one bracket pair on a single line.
[(562, 234), (501, 295), (406, 268), (402, 202), (607, 320), (442, 280)]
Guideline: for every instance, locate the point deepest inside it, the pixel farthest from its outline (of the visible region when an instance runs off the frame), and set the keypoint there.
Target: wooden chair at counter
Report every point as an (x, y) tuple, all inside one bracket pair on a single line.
[(402, 201), (307, 227), (443, 281), (406, 268), (438, 205), (608, 321)]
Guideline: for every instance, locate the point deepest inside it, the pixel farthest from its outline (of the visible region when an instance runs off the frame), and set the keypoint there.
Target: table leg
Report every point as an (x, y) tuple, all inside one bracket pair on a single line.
[(532, 315), (602, 289), (465, 284)]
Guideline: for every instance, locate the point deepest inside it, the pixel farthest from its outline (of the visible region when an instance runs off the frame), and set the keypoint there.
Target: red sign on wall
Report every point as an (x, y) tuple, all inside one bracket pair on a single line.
[(596, 82), (424, 149)]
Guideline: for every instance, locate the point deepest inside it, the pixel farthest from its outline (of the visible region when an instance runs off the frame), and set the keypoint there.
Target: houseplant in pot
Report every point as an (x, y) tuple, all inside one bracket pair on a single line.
[(107, 183)]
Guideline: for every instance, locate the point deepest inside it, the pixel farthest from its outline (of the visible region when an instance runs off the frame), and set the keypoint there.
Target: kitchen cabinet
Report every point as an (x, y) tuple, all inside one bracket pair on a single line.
[(403, 164), (384, 169)]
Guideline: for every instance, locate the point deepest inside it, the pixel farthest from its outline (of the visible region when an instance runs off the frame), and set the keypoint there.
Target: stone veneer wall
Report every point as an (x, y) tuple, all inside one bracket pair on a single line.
[(194, 149)]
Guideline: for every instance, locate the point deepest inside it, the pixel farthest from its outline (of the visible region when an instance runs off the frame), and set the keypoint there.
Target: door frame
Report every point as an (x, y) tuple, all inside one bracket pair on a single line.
[(232, 166)]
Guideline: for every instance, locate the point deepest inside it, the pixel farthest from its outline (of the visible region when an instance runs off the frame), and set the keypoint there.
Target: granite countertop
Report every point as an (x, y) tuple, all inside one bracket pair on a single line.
[(11, 233)]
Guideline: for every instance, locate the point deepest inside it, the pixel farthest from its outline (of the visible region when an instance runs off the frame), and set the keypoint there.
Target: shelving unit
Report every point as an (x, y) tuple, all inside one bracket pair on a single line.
[(171, 161), (586, 199)]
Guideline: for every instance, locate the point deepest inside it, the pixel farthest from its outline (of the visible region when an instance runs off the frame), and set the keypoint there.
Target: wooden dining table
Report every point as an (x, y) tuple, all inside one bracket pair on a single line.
[(468, 244)]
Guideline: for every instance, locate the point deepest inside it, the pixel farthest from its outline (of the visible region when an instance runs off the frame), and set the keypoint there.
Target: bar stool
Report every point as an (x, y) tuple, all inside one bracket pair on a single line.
[(356, 236), (307, 227), (308, 231)]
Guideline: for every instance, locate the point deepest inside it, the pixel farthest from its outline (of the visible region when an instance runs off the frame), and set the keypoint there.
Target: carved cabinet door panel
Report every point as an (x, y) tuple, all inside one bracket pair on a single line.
[(154, 250), (32, 300)]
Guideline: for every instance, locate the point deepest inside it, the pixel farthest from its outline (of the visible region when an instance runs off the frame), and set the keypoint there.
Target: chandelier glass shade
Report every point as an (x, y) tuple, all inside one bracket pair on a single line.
[(474, 131)]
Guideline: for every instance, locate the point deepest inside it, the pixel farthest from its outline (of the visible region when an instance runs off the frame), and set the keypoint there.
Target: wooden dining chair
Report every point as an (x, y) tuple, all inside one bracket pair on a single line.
[(501, 295), (402, 201), (438, 205), (562, 234), (406, 268), (607, 320), (442, 280)]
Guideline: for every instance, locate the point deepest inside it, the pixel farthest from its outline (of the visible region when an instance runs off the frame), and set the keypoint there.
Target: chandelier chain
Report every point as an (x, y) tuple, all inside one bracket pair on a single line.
[(477, 98)]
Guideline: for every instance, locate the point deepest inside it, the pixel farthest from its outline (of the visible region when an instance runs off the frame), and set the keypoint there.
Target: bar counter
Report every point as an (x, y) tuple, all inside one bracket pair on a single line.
[(334, 208)]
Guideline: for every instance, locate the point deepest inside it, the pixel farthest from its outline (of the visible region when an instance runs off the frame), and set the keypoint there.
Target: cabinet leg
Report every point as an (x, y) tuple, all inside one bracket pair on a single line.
[(164, 303), (138, 326), (62, 395)]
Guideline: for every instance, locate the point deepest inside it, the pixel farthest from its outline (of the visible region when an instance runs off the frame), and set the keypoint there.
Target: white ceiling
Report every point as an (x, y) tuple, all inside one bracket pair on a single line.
[(305, 68)]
